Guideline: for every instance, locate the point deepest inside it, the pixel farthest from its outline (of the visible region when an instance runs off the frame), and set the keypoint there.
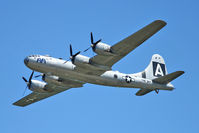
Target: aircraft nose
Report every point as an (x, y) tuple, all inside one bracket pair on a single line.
[(26, 60)]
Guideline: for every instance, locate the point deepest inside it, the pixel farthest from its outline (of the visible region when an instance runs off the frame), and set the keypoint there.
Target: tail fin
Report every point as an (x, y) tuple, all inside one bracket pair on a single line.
[(156, 67)]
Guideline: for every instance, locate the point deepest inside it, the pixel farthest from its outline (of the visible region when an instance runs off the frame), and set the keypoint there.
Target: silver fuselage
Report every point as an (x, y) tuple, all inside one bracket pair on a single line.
[(68, 70)]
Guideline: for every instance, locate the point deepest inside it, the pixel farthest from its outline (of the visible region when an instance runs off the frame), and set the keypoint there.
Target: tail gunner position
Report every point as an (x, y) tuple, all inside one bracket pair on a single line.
[(59, 75)]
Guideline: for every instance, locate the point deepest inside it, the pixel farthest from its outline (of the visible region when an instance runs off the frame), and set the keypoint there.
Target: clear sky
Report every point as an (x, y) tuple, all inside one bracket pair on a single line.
[(48, 27)]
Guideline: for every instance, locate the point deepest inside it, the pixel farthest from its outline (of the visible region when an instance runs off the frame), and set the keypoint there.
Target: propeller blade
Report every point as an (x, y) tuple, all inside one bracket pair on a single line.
[(87, 49), (71, 50), (76, 54), (29, 81), (25, 79), (25, 90), (92, 38), (157, 91), (97, 42), (31, 76), (66, 61), (37, 76)]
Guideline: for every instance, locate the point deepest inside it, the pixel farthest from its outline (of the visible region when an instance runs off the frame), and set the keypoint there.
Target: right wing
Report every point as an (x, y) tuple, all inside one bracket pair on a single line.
[(128, 44)]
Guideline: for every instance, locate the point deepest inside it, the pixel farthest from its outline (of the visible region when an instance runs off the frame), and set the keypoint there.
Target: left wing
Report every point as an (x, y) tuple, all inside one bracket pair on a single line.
[(35, 96)]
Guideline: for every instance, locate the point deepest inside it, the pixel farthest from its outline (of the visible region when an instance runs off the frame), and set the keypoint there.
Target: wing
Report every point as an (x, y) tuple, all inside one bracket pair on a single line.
[(125, 46), (35, 96)]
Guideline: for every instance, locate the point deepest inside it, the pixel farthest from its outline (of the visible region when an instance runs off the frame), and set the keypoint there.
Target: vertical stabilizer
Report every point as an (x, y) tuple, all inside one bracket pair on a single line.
[(156, 67)]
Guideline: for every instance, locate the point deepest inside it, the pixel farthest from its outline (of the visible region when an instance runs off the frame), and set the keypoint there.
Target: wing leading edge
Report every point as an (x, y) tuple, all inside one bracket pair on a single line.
[(128, 44)]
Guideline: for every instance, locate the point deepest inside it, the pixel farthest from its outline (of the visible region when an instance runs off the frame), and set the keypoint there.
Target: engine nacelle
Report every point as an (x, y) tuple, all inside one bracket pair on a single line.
[(102, 49), (52, 79), (80, 59), (38, 86)]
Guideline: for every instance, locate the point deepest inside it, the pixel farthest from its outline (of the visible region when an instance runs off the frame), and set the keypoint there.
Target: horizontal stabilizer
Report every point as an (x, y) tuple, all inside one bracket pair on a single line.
[(142, 92), (168, 78)]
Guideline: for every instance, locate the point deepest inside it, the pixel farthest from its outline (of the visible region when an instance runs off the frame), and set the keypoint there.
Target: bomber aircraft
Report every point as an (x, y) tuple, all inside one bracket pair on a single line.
[(59, 75)]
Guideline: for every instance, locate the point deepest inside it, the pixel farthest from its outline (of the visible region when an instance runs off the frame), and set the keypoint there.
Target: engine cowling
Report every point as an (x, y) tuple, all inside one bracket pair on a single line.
[(80, 59), (102, 49), (38, 86), (52, 79)]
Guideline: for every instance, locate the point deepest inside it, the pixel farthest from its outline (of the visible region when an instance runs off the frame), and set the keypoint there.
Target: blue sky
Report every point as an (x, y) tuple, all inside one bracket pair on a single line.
[(48, 27)]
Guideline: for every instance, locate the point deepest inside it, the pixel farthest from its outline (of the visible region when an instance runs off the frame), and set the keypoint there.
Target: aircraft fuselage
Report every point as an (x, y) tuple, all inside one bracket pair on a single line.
[(68, 70)]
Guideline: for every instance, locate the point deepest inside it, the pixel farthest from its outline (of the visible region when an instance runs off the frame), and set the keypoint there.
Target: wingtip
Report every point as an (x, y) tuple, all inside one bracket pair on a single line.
[(15, 104), (161, 22), (182, 72)]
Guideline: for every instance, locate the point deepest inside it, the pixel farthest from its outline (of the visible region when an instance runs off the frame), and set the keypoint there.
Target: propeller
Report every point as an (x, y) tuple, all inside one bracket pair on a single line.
[(28, 82), (93, 44), (39, 75), (43, 76), (72, 56), (157, 91)]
